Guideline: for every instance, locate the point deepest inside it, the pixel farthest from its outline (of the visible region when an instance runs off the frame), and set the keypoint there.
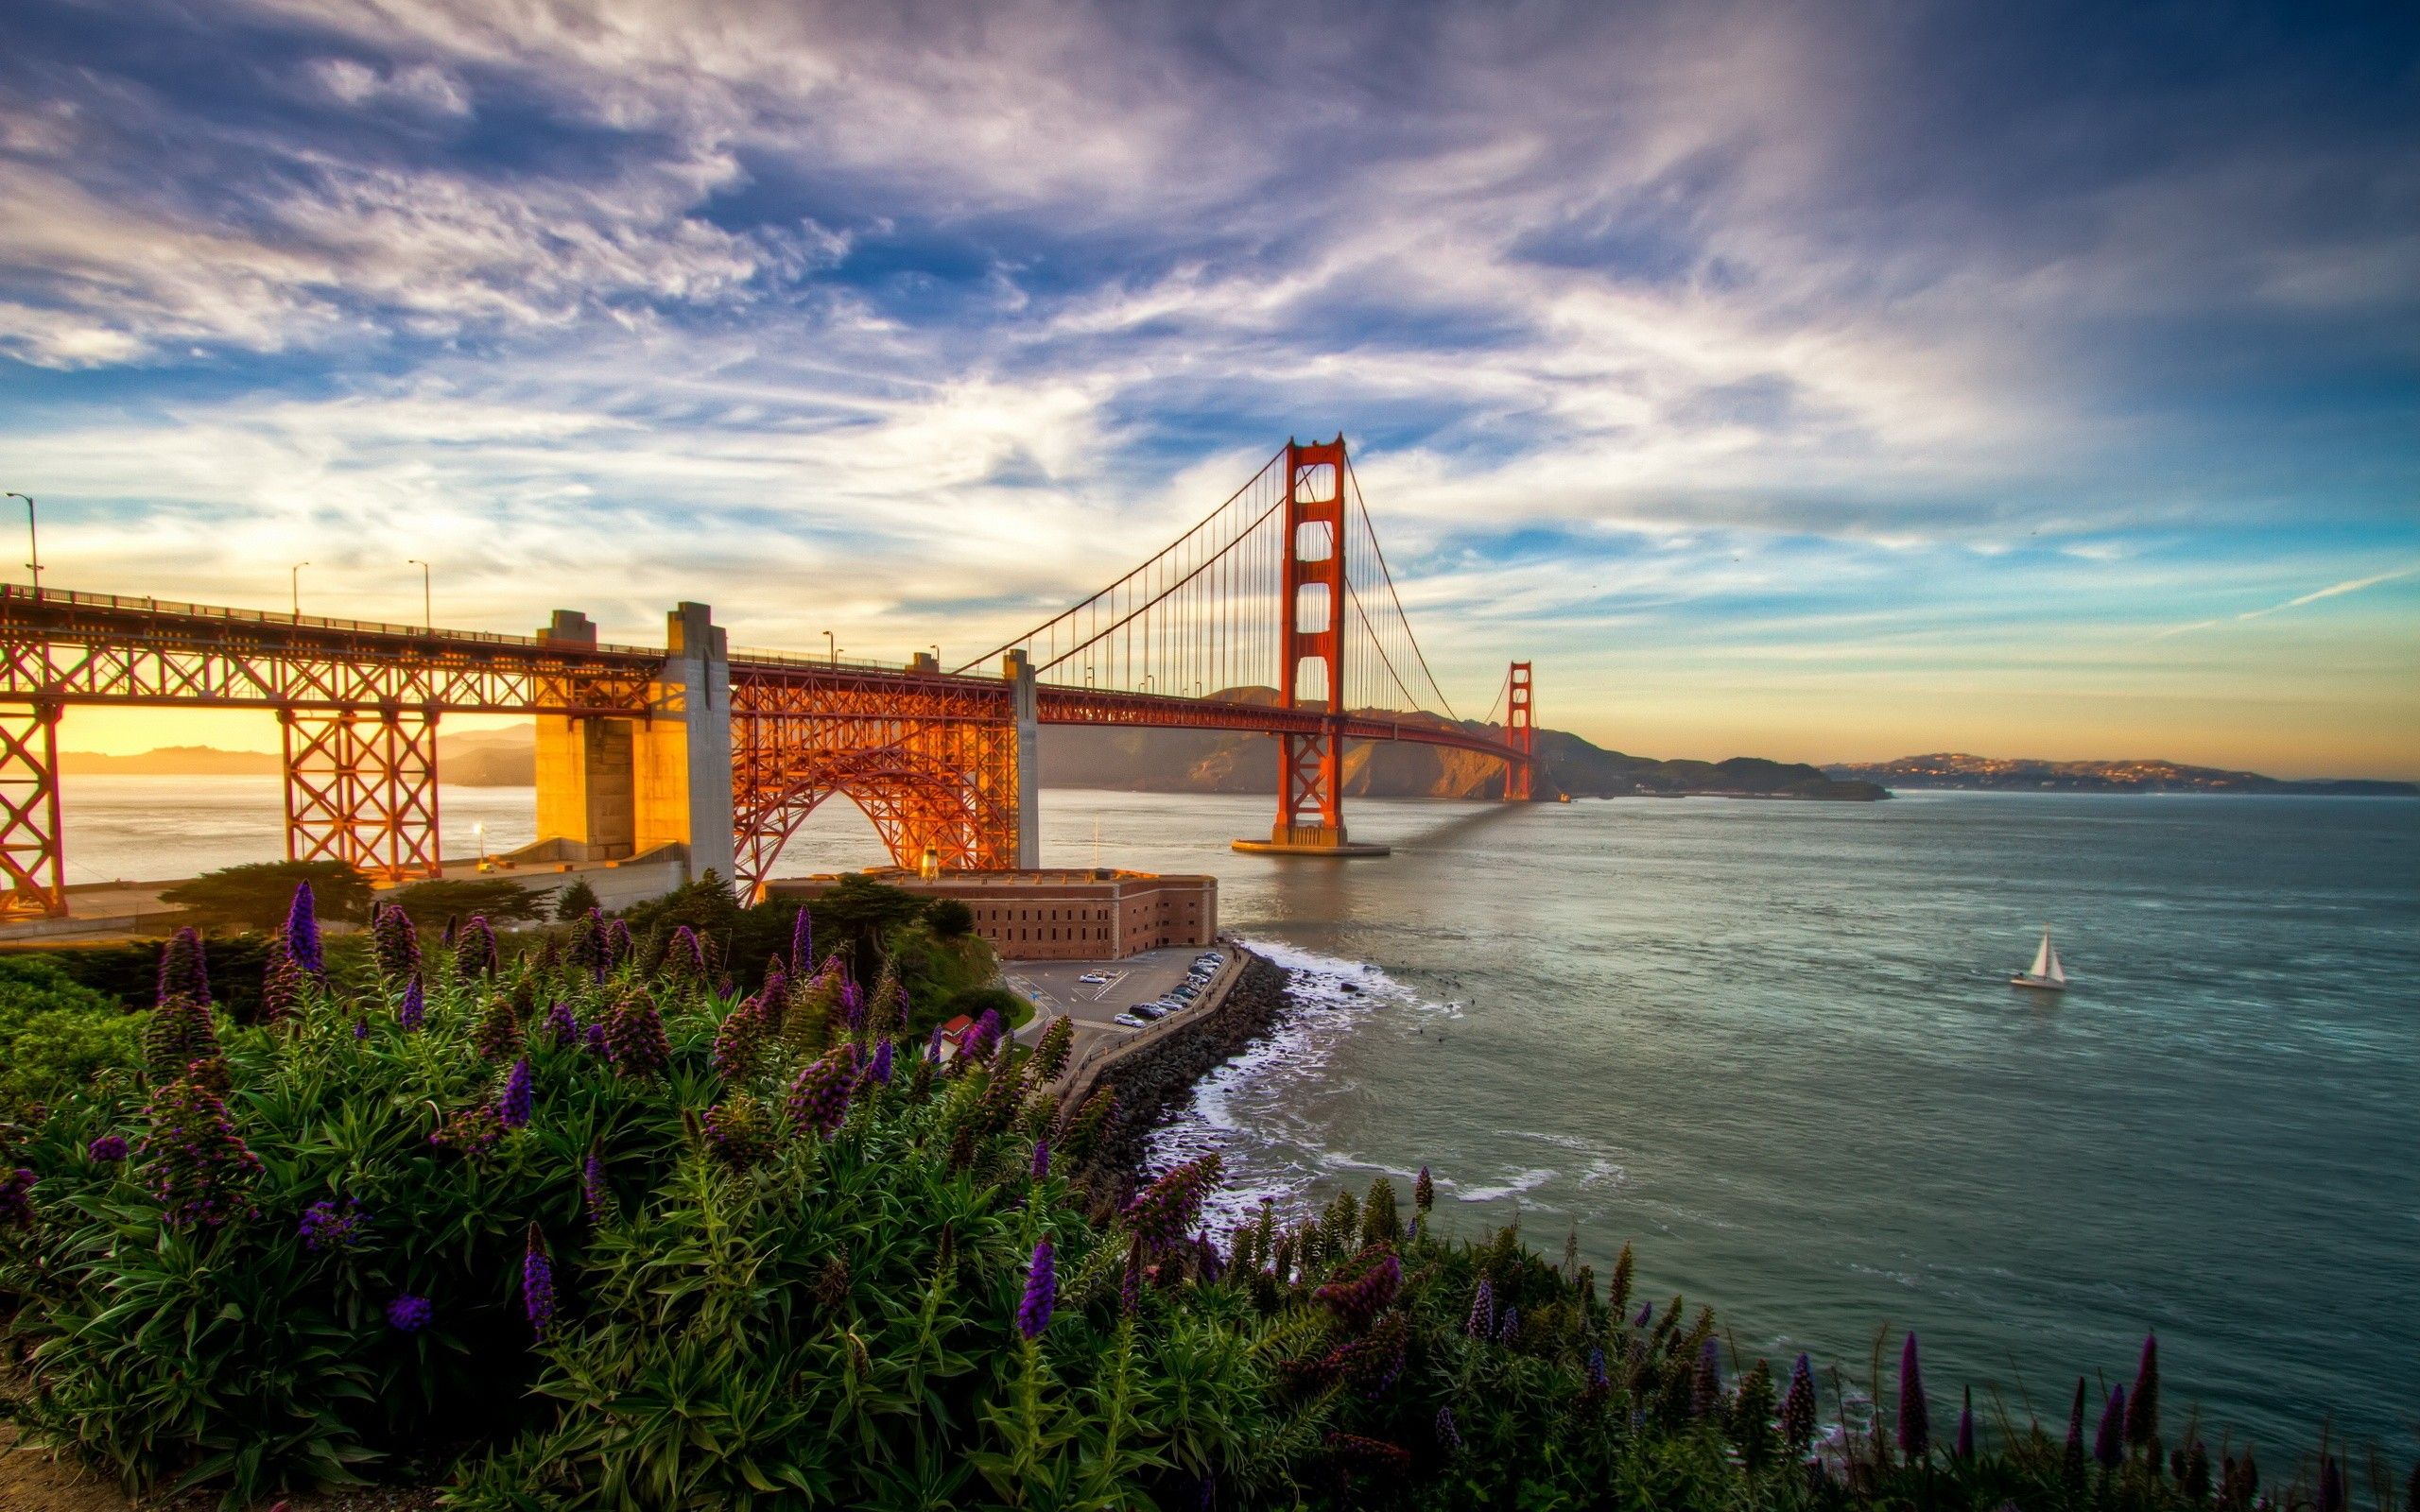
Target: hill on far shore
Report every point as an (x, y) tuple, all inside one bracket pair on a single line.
[(1956, 770)]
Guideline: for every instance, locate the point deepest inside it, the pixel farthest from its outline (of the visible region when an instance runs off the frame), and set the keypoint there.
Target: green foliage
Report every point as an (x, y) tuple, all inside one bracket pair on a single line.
[(55, 1034), (1013, 1010), (256, 895), (431, 903), (575, 901), (129, 972), (781, 1282), (949, 919)]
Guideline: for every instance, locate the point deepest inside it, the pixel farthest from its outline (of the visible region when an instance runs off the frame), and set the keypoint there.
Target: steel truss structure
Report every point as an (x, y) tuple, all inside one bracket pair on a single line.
[(930, 758), (363, 792), (29, 848)]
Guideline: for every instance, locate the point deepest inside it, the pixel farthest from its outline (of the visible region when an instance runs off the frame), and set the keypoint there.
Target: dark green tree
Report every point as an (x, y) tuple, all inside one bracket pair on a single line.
[(257, 894), (948, 919), (431, 903), (575, 900)]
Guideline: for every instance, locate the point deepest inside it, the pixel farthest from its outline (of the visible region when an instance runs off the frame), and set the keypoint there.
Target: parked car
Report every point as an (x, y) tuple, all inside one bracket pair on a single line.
[(1129, 1020), (1093, 978), (1148, 1010)]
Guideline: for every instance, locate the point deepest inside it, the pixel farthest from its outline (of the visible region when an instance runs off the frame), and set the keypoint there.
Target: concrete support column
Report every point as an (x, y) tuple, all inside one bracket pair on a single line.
[(684, 769), (585, 768), (1019, 669)]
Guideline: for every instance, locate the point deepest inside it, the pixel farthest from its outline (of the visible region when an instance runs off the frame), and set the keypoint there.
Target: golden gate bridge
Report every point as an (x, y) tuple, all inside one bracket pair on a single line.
[(726, 753)]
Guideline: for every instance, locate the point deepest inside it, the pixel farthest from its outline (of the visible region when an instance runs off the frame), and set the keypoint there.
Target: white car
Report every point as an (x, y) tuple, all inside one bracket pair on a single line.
[(1093, 978), (1129, 1020)]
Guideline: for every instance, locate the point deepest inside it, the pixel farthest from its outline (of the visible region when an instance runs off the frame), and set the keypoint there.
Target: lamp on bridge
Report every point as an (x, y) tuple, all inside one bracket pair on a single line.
[(930, 867)]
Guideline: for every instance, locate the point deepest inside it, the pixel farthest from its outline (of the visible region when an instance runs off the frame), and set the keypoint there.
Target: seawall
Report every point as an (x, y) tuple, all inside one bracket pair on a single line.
[(1156, 1075)]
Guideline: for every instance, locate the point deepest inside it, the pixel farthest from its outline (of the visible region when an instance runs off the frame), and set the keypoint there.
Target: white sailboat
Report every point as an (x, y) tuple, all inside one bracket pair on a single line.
[(2044, 974)]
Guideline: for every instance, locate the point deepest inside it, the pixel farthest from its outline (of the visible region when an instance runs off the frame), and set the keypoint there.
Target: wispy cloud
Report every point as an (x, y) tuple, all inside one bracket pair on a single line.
[(908, 321), (2351, 585)]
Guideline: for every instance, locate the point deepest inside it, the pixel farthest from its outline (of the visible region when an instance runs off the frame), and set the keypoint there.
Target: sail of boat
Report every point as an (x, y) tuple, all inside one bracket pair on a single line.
[(2044, 972)]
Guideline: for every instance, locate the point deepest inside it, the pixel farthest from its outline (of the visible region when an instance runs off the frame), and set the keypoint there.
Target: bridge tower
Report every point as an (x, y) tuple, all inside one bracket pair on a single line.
[(1310, 767), (1520, 723)]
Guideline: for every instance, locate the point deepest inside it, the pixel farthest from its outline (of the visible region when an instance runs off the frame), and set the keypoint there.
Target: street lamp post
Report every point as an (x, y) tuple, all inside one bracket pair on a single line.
[(33, 541), (294, 585), (427, 614), (833, 646)]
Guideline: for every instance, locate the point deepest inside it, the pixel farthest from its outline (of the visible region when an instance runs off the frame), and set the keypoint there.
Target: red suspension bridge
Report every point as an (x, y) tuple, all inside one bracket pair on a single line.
[(1283, 587)]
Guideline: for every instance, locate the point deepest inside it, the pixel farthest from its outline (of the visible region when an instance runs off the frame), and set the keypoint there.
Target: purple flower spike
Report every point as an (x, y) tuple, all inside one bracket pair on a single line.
[(1482, 1319), (407, 1313), (1598, 1378), (302, 931), (1964, 1448), (1798, 1407), (1448, 1436), (414, 1011), (801, 940), (1915, 1418), (593, 1194), (2109, 1443), (1041, 1293), (1646, 1316), (1040, 1158), (562, 1025), (1705, 1393), (933, 1046), (538, 1283), (512, 1109), (2142, 1407), (1510, 1328), (17, 1199), (184, 972), (853, 1006), (880, 1069), (329, 1230), (108, 1149)]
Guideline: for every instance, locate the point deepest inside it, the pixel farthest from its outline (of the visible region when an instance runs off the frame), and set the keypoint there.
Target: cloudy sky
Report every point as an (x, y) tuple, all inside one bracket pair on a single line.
[(1819, 382)]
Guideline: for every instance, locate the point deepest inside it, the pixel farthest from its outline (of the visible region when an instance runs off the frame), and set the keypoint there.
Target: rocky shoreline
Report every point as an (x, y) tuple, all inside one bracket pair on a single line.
[(1155, 1080)]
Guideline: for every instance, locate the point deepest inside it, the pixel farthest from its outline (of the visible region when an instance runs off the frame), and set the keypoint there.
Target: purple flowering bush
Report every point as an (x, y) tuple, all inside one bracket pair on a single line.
[(719, 1265)]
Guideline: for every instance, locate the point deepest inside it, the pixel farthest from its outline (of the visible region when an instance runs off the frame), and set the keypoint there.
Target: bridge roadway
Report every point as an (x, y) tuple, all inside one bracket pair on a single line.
[(942, 761)]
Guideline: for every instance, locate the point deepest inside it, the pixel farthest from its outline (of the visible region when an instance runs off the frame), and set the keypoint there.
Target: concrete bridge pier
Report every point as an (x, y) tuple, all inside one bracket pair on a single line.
[(1018, 668), (610, 788)]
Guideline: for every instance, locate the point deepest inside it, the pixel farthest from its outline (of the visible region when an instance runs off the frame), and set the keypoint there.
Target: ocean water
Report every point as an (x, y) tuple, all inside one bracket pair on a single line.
[(1772, 1045)]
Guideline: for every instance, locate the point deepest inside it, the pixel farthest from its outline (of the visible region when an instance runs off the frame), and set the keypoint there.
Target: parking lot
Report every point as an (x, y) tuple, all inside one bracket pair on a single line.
[(1139, 978)]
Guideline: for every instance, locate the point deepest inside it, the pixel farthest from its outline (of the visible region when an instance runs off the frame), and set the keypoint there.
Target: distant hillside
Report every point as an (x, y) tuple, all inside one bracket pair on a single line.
[(1955, 769), (474, 758), (1201, 761), (170, 761)]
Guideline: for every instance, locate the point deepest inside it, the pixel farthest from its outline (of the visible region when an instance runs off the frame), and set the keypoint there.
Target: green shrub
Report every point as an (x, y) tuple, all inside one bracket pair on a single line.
[(949, 919), (496, 899), (55, 1034), (1013, 1010), (256, 895)]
